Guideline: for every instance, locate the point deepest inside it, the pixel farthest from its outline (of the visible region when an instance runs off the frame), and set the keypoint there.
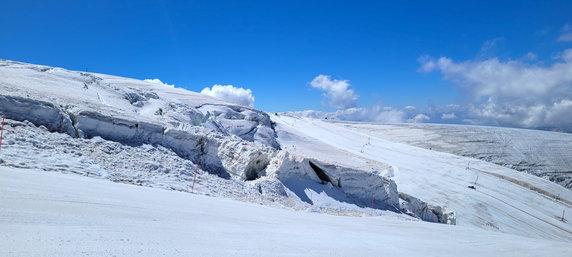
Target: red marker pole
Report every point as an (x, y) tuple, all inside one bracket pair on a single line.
[(2, 130)]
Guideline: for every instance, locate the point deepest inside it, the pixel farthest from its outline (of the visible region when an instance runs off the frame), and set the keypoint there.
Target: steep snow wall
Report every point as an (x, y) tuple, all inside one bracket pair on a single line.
[(216, 153), (365, 189), (37, 112), (198, 144)]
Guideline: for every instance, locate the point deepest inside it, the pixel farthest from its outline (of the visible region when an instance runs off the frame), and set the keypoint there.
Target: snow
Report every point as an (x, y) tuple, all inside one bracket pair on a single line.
[(231, 142), (52, 214), (542, 153), (59, 92), (500, 202), (181, 161)]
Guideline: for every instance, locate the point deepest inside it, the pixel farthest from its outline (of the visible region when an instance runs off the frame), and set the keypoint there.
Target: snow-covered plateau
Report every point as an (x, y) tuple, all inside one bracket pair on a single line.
[(304, 186)]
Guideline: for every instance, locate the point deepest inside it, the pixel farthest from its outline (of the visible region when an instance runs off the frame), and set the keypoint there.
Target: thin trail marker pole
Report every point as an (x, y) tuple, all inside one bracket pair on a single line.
[(195, 177), (2, 130)]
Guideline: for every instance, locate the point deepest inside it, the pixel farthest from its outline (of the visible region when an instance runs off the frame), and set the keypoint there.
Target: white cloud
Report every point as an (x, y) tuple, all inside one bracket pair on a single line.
[(419, 118), (337, 92), (566, 33), (427, 64), (448, 116), (490, 48), (513, 93), (231, 94), (410, 108), (159, 82), (453, 106), (530, 56), (376, 113)]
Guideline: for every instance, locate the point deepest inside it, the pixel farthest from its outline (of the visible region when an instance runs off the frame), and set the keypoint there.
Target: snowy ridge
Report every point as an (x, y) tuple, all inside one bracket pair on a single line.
[(125, 99)]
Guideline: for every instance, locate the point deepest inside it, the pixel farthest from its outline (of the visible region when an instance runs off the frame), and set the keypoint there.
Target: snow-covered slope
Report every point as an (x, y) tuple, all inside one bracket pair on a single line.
[(50, 214), (542, 153), (504, 200), (109, 124), (135, 132)]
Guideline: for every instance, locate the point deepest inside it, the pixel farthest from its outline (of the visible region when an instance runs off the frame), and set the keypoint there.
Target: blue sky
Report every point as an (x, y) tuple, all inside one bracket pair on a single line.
[(276, 48)]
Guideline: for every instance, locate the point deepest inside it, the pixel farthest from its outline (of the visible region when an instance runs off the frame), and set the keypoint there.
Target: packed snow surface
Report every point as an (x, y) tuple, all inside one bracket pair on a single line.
[(51, 214)]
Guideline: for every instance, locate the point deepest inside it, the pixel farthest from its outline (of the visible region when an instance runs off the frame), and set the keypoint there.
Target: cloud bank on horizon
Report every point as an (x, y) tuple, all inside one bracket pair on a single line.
[(513, 93), (523, 93), (231, 94)]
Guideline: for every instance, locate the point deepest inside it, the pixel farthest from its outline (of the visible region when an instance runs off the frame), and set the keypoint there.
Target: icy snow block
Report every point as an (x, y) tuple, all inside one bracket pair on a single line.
[(244, 159), (363, 186), (243, 128), (270, 187), (420, 209), (93, 124), (185, 114), (198, 145), (249, 124), (344, 184), (266, 136), (40, 113), (366, 187)]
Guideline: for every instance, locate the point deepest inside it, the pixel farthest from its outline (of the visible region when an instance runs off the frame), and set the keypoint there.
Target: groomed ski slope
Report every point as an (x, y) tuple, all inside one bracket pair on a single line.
[(542, 153), (500, 203), (54, 214)]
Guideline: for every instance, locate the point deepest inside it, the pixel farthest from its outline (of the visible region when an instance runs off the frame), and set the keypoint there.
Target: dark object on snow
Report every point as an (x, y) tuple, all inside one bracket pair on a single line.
[(472, 187)]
